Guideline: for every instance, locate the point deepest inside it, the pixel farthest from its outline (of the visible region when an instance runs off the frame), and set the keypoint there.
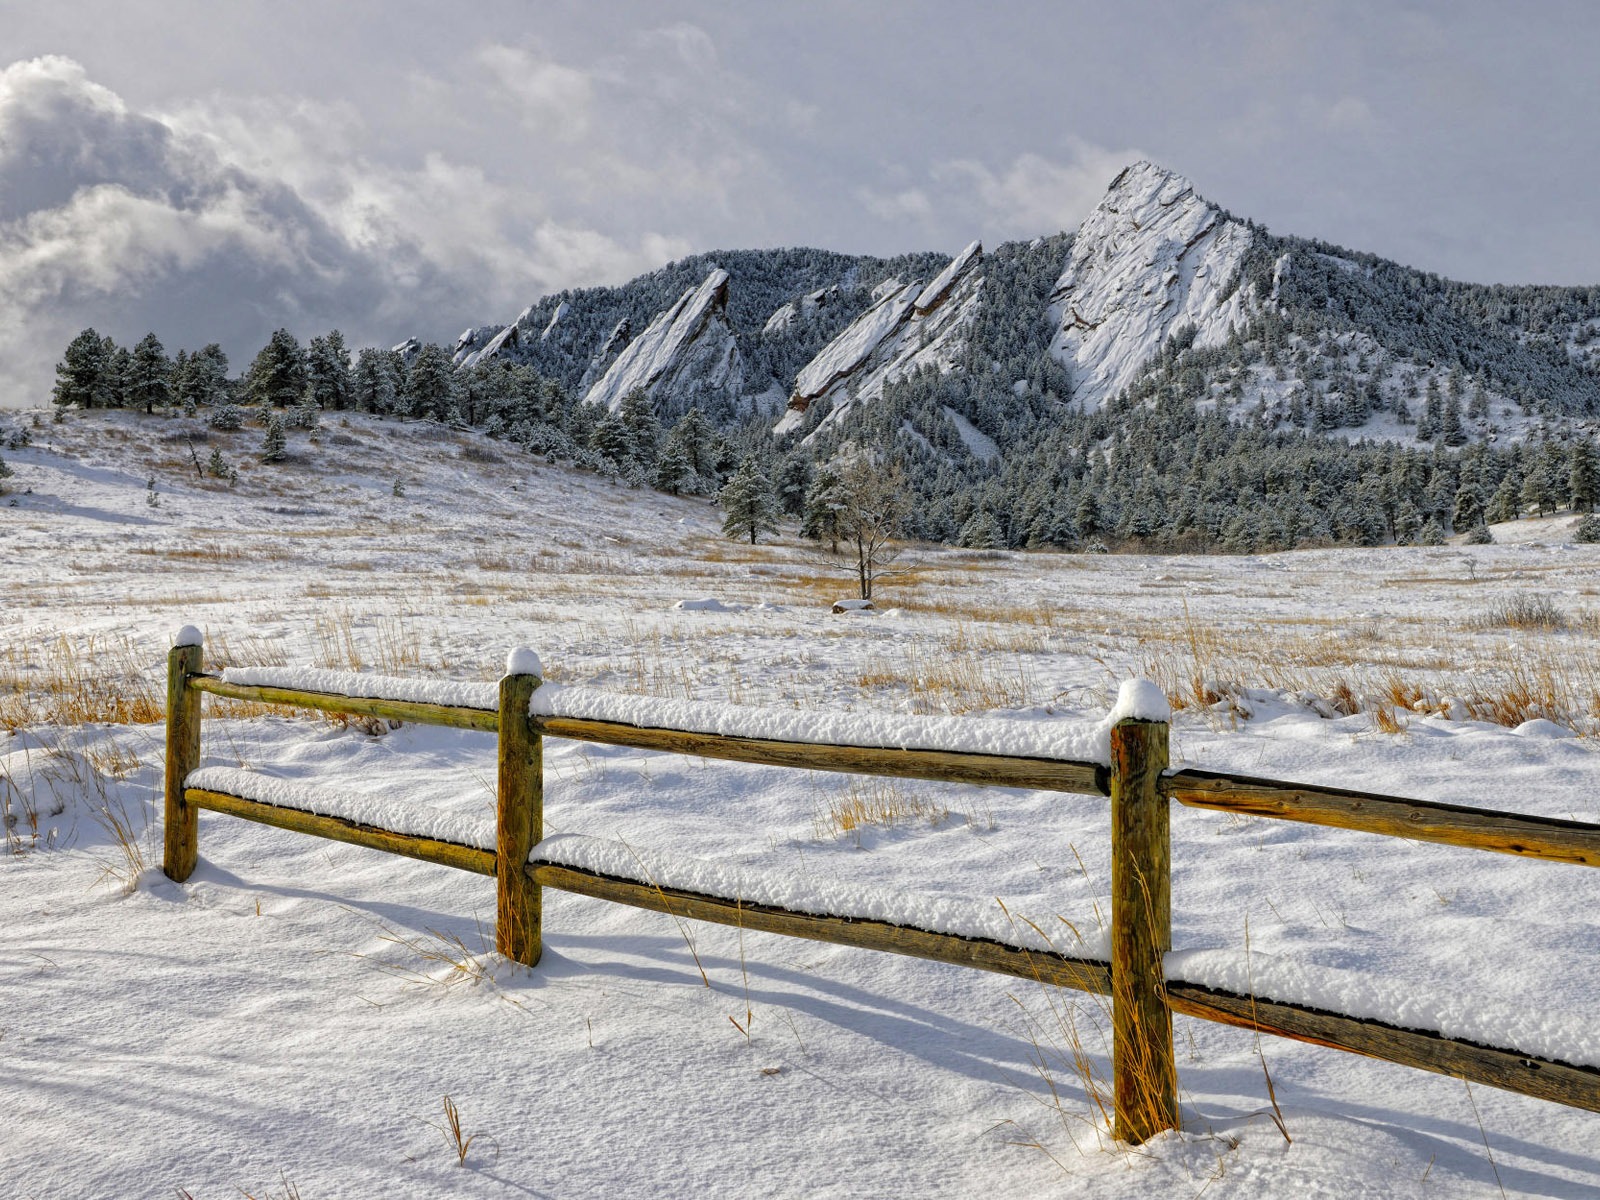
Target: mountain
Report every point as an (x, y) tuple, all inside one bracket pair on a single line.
[(1166, 375), (1157, 288)]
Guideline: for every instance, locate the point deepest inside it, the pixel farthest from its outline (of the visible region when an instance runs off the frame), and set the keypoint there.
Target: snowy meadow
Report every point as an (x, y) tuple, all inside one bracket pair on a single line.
[(303, 1018)]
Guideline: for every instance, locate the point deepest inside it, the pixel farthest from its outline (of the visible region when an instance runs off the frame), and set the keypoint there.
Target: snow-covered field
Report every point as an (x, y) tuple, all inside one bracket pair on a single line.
[(291, 1020)]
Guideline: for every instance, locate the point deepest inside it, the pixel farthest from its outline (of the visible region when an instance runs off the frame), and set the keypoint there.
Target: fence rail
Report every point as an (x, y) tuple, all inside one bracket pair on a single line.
[(1136, 782)]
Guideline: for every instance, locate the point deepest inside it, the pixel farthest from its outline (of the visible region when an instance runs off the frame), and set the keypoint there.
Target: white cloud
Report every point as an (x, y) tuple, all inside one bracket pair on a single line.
[(1034, 194), (552, 98)]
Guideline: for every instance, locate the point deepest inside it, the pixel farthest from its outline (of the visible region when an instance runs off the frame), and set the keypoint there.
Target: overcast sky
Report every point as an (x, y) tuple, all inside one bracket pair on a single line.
[(213, 171)]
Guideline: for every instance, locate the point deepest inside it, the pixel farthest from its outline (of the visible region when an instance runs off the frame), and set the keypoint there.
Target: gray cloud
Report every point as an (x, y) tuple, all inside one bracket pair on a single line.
[(211, 223)]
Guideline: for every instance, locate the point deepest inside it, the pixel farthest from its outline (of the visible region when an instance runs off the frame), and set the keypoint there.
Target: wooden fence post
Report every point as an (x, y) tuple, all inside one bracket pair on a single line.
[(181, 823), (520, 823), (1145, 1077)]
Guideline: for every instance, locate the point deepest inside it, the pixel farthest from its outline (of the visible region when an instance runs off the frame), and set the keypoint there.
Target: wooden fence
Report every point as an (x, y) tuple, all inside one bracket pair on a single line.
[(1138, 784)]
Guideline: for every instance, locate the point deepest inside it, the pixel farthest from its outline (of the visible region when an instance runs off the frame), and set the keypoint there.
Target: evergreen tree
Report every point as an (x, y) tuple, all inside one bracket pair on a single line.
[(114, 380), (375, 383), (5, 473), (227, 418), (698, 441), (794, 481), (1468, 509), (1506, 503), (149, 380), (643, 430), (673, 473), (819, 520), (277, 376), (275, 446), (981, 531), (205, 380), (1451, 432), (431, 385), (749, 503), (611, 442), (79, 373), (305, 414), (1583, 475), (328, 371)]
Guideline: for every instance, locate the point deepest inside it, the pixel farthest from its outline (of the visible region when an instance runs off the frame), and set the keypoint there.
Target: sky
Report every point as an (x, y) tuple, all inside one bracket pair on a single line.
[(212, 172)]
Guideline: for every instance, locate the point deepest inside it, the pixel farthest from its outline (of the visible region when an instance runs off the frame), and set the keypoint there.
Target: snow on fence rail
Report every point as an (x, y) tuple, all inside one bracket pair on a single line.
[(1124, 757)]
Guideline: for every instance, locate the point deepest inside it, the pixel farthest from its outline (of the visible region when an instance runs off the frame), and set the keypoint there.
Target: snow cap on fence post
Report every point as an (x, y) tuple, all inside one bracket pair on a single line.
[(1140, 700), (523, 661), (188, 636)]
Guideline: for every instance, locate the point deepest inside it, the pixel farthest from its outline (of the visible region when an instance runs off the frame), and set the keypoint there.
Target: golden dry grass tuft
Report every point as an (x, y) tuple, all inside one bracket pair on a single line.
[(77, 681), (875, 803)]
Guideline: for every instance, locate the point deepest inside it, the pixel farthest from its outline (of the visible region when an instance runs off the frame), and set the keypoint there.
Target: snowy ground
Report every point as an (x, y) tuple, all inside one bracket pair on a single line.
[(291, 1020)]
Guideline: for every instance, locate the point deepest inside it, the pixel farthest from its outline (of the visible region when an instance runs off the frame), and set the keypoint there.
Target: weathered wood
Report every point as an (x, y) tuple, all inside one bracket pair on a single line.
[(1548, 838), (1144, 1073), (181, 825), (340, 829), (1060, 970), (947, 766), (416, 712), (1547, 1079), (520, 823)]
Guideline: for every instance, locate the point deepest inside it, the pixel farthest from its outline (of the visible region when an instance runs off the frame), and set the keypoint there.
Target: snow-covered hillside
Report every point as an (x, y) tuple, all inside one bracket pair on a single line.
[(291, 1020)]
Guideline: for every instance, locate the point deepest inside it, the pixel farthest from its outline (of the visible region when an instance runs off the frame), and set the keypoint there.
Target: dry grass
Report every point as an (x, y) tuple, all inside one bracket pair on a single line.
[(1522, 610), (875, 803), (93, 680), (950, 683), (1412, 667)]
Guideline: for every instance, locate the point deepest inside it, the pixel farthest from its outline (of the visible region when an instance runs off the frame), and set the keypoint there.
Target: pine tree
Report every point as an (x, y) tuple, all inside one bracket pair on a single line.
[(611, 442), (305, 414), (1506, 503), (431, 385), (205, 381), (694, 435), (150, 376), (5, 473), (673, 473), (1451, 432), (1583, 475), (277, 377), (819, 520), (1468, 508), (328, 371), (276, 444), (114, 380), (794, 480), (227, 418), (374, 384), (981, 531), (749, 503), (643, 430), (79, 373)]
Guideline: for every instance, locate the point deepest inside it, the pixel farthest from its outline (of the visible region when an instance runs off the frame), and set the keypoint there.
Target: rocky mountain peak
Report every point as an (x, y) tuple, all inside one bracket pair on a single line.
[(1153, 257)]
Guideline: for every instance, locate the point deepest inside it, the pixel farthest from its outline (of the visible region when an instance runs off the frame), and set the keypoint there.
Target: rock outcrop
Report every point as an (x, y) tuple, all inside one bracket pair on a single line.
[(1152, 258), (685, 352), (910, 325)]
